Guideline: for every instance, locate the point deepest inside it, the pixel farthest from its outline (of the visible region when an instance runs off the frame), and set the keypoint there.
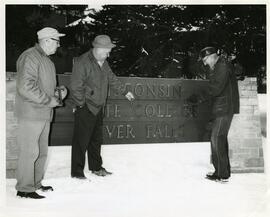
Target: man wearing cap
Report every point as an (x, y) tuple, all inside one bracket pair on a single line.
[(223, 90), (35, 99), (91, 76)]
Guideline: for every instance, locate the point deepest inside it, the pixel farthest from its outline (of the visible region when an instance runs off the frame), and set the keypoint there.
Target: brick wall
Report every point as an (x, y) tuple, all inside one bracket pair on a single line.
[(11, 127), (245, 140), (244, 137)]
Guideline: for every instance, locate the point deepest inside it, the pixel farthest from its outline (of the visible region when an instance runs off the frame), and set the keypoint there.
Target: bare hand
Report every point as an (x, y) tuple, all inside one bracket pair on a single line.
[(130, 96), (54, 102), (63, 90)]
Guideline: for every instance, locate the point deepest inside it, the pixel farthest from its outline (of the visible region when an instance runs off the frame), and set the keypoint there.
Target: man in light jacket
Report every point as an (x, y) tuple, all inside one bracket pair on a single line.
[(91, 76), (36, 96)]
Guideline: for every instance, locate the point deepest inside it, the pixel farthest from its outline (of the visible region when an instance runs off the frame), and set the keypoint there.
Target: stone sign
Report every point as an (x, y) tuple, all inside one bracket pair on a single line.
[(165, 110)]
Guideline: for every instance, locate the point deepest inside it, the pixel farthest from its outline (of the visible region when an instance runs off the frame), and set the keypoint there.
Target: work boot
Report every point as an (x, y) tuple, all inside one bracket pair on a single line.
[(101, 172), (32, 195), (46, 188)]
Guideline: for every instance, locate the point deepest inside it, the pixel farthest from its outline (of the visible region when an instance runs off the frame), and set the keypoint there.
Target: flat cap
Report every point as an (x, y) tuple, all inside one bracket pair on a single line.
[(206, 52)]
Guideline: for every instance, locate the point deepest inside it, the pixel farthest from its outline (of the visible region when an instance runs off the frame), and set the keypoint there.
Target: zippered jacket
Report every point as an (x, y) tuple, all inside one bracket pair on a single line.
[(35, 85), (224, 89), (90, 83)]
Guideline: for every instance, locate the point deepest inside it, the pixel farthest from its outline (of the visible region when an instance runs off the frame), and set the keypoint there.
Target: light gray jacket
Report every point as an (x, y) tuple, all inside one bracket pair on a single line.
[(36, 83)]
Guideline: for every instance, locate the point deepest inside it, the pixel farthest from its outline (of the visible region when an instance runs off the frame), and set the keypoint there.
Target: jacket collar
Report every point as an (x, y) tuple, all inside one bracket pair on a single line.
[(40, 50), (91, 55)]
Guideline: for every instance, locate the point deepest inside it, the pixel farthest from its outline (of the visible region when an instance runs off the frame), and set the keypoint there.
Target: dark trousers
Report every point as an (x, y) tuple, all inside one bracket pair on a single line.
[(87, 136), (220, 146)]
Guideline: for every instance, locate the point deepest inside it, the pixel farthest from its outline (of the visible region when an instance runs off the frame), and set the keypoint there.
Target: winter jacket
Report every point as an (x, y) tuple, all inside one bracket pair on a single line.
[(223, 89), (90, 83), (36, 82)]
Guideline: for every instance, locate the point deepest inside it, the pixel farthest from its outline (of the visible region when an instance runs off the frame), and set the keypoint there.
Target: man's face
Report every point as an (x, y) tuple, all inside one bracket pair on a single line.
[(209, 60), (102, 53), (52, 45)]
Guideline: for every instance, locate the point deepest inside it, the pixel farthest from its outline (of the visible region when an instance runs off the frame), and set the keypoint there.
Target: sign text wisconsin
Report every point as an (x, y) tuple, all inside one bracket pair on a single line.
[(165, 110)]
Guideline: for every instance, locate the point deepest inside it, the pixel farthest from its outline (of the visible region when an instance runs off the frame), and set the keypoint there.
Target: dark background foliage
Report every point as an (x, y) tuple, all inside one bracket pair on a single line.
[(152, 40)]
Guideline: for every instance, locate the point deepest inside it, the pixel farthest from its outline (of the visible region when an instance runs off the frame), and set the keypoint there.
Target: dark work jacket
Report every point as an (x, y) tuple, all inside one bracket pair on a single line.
[(223, 89), (90, 82)]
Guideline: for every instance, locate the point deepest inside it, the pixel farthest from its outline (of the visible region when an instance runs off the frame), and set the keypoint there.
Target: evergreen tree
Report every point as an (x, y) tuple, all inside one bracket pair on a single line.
[(152, 40)]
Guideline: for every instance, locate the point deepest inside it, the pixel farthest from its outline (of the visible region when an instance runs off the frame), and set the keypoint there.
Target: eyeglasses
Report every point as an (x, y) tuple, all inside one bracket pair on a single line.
[(58, 41)]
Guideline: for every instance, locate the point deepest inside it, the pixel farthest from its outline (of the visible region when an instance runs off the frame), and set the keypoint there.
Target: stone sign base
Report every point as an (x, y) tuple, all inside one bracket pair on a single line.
[(245, 139)]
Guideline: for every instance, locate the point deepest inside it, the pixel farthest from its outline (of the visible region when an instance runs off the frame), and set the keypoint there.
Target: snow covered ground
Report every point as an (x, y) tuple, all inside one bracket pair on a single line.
[(149, 180)]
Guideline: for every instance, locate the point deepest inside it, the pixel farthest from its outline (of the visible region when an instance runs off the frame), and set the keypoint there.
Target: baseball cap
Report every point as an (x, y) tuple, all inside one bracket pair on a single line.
[(49, 32)]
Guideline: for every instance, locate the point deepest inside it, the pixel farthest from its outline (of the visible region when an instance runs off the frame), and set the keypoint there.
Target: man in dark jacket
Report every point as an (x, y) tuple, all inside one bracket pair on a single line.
[(91, 76), (223, 90)]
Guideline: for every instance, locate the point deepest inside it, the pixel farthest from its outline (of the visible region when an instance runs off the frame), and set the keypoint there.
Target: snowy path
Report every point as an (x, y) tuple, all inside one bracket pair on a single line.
[(149, 180)]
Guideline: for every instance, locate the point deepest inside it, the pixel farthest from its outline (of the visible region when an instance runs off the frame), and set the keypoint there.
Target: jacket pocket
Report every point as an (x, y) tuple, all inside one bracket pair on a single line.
[(220, 106), (92, 96)]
